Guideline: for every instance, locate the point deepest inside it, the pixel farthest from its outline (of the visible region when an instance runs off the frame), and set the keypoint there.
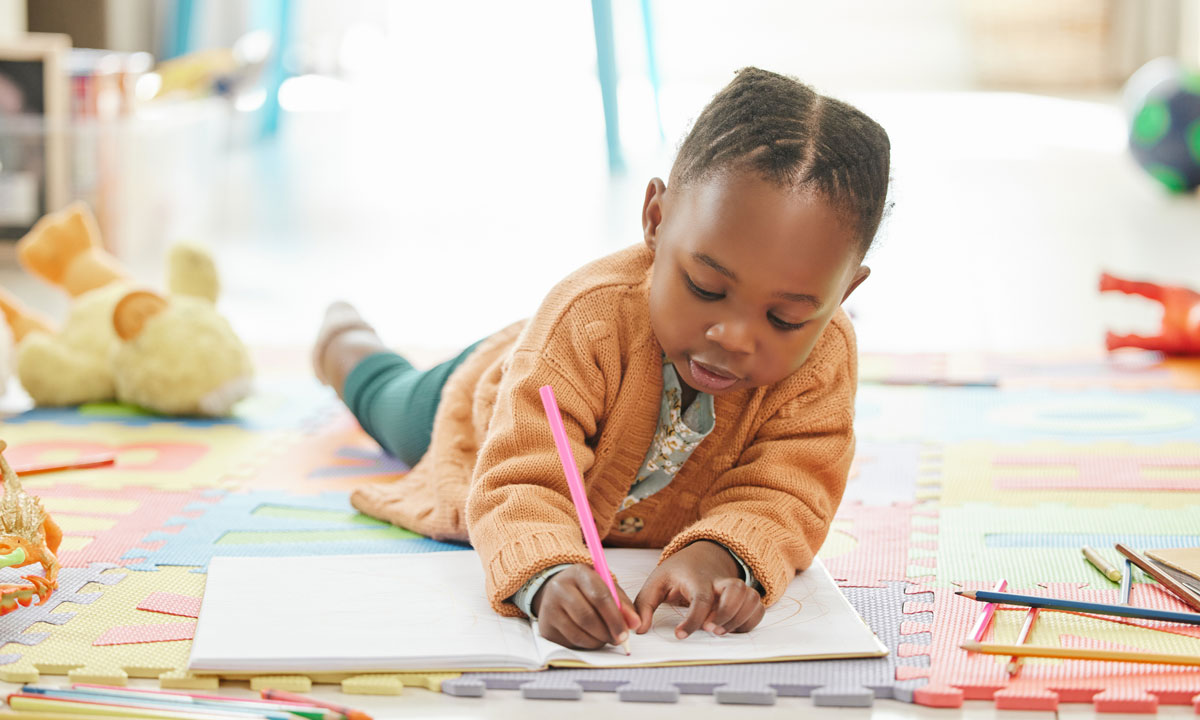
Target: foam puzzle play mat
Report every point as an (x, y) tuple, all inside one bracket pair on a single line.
[(968, 470)]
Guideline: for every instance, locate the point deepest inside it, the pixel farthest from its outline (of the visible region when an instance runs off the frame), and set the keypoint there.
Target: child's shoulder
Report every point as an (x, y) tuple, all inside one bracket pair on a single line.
[(833, 360), (626, 268)]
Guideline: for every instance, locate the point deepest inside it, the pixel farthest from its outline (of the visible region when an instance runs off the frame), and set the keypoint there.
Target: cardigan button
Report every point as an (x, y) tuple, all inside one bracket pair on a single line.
[(630, 525)]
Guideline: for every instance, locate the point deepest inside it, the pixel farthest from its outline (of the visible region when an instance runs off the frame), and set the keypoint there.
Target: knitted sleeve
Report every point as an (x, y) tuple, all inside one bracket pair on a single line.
[(774, 507), (519, 508)]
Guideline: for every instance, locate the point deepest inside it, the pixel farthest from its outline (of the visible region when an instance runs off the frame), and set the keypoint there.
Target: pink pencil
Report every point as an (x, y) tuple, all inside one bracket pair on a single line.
[(578, 495), (985, 617), (1014, 664)]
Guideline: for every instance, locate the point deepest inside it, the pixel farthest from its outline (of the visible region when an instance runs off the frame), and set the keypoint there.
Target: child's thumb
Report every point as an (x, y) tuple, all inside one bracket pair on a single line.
[(627, 611)]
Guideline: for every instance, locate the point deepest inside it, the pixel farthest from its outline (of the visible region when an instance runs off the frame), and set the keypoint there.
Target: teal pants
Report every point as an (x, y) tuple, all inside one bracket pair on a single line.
[(395, 403)]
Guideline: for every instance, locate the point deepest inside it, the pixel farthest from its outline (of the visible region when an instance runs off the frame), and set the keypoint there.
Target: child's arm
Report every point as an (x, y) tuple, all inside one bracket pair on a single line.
[(774, 507)]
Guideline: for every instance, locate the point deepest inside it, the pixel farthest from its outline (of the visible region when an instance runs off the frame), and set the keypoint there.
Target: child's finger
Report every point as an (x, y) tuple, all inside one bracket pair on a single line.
[(627, 612), (700, 603), (581, 609), (750, 616), (598, 595), (729, 603), (562, 630), (651, 596)]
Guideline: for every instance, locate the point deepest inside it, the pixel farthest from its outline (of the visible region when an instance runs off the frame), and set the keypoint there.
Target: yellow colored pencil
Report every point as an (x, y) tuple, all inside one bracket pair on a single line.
[(1081, 653), (100, 710)]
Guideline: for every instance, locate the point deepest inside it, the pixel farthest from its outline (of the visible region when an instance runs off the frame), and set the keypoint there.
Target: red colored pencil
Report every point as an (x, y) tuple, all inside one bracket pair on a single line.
[(88, 461)]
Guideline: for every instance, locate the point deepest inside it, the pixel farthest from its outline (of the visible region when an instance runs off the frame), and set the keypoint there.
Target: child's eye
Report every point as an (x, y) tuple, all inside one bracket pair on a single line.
[(783, 325), (700, 292)]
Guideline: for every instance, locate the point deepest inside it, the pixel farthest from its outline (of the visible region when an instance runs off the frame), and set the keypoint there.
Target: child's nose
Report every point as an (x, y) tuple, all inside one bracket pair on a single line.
[(732, 335)]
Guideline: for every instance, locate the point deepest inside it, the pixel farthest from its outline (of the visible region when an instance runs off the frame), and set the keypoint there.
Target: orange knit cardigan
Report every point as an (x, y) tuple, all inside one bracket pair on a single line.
[(765, 482)]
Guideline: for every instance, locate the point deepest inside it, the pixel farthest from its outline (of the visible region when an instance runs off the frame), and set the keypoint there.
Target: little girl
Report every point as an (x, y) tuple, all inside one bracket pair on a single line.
[(706, 378)]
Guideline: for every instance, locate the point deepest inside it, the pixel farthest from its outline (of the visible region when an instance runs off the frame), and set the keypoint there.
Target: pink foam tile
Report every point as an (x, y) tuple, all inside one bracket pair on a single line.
[(133, 634), (954, 675), (1097, 472), (152, 509), (884, 537), (172, 604)]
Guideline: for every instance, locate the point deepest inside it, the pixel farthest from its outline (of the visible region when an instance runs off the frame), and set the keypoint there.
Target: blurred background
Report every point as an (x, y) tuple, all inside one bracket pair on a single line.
[(443, 164)]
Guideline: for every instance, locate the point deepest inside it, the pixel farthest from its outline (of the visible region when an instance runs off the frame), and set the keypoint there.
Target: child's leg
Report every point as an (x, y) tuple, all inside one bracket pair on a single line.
[(394, 402)]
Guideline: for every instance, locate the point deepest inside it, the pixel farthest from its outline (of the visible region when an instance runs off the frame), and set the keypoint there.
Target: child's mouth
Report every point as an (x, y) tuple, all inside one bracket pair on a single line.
[(709, 380)]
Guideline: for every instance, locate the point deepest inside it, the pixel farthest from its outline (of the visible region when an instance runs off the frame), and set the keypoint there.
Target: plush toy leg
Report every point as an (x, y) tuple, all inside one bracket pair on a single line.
[(54, 374), (64, 249), (1110, 283), (1157, 342), (21, 319)]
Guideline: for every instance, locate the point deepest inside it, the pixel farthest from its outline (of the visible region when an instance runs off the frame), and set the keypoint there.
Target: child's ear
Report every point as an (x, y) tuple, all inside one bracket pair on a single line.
[(652, 212), (861, 274)]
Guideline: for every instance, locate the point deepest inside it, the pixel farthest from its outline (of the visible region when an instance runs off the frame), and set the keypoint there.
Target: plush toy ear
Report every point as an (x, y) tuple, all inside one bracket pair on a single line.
[(132, 312)]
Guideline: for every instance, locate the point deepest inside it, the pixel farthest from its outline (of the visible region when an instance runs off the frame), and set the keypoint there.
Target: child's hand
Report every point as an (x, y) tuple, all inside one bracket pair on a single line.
[(707, 579), (575, 608)]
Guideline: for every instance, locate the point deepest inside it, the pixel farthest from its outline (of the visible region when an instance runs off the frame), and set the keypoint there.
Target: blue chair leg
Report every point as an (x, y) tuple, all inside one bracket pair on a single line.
[(606, 62), (273, 16), (178, 35), (652, 64)]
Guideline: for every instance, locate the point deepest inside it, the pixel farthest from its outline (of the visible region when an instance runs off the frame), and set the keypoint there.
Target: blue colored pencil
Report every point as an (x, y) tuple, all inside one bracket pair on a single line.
[(1077, 606), (177, 703)]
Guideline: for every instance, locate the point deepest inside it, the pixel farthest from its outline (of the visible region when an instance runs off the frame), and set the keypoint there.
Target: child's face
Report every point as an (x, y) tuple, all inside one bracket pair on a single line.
[(746, 276)]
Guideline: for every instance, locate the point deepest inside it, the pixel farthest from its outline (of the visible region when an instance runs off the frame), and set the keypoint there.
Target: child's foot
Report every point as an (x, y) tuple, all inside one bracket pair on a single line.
[(342, 342)]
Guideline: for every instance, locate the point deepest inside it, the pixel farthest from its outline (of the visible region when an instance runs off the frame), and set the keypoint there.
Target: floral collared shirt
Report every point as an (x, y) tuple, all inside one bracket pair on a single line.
[(680, 431)]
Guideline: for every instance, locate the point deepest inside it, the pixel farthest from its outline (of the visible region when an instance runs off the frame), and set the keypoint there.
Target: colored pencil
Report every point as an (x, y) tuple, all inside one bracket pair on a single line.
[(183, 702), (1080, 607), (350, 713), (88, 461), (146, 711), (579, 496), (1187, 596), (281, 704), (1126, 582), (1097, 560), (985, 616), (1081, 653), (1014, 663)]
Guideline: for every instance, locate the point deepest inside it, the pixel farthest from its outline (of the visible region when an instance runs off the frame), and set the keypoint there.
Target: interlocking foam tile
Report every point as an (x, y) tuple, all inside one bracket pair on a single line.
[(1161, 476), (955, 675), (276, 524), (852, 683), (172, 457), (868, 544), (394, 683), (1035, 544), (102, 525), (276, 404), (337, 455), (949, 415), (71, 649), (15, 625), (887, 472), (133, 634)]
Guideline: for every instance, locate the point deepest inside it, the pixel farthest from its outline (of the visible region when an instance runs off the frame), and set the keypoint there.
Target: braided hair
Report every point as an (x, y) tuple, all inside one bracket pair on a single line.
[(792, 136)]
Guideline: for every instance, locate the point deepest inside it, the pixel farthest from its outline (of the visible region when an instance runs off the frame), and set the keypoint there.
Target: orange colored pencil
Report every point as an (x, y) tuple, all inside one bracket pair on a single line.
[(87, 461)]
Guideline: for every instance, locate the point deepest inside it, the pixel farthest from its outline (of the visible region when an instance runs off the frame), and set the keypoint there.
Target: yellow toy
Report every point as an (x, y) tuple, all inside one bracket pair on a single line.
[(28, 535), (174, 355), (6, 354)]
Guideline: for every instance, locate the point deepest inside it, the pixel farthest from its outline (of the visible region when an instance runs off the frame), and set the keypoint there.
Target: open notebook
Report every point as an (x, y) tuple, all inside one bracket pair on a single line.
[(404, 613)]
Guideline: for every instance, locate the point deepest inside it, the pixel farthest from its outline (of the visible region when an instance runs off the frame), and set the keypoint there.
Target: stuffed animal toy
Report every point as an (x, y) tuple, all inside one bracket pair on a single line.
[(174, 355), (6, 357), (1181, 317)]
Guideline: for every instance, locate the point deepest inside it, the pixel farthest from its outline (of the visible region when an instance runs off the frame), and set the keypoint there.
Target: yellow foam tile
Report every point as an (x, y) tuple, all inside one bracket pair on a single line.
[(184, 680), (68, 649), (373, 685), (289, 683), (163, 455), (1049, 472), (98, 675)]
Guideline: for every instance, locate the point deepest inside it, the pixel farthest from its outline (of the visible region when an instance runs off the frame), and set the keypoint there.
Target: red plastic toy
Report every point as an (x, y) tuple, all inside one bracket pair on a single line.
[(1181, 317)]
